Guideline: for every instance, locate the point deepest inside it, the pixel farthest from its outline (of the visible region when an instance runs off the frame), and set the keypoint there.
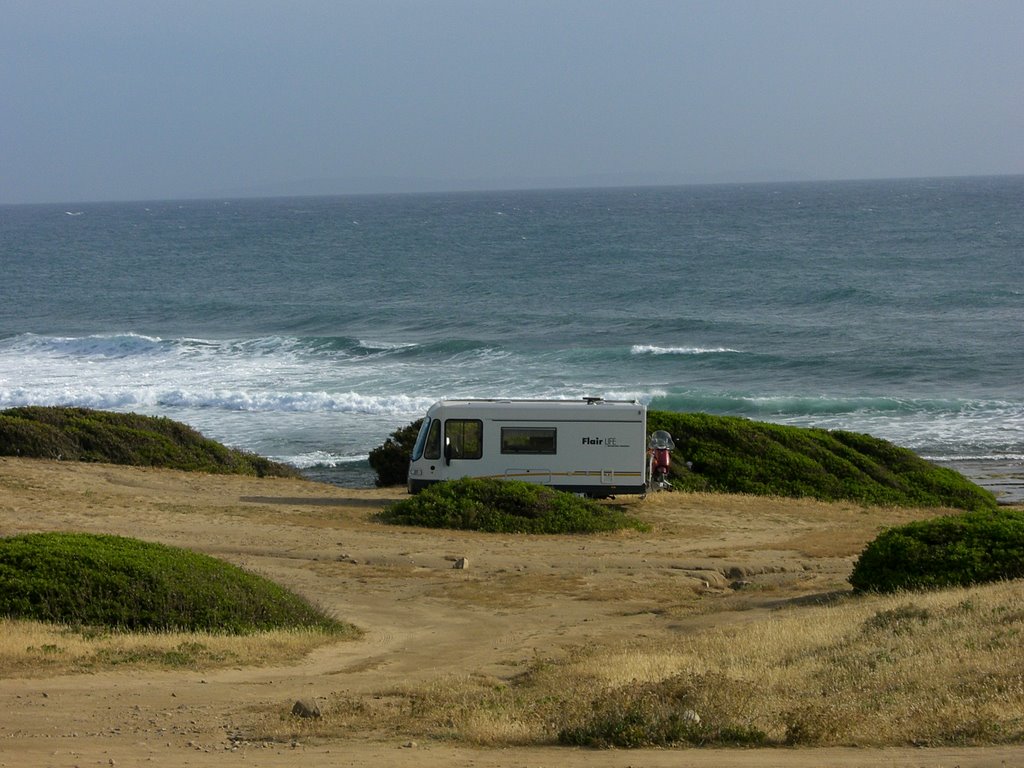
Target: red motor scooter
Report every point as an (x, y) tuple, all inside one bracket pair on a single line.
[(660, 460)]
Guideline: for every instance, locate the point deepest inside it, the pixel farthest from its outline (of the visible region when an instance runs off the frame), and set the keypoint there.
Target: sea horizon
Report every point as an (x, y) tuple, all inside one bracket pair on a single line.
[(402, 186)]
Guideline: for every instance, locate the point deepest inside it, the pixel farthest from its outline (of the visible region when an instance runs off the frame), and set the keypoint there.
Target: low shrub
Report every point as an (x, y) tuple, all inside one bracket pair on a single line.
[(391, 459), (956, 550), (83, 434), (121, 583), (734, 455), (505, 506), (661, 714)]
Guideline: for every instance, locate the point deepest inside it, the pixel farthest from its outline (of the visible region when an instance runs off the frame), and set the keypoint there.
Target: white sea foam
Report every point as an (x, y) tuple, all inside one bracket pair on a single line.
[(641, 396), (652, 349), (994, 458), (321, 459), (385, 346), (98, 345), (227, 400)]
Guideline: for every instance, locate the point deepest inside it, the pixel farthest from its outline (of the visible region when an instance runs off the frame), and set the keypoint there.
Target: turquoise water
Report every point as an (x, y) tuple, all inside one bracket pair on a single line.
[(308, 328)]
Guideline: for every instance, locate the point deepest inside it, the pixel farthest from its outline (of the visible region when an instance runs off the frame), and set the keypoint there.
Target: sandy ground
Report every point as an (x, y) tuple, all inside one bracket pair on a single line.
[(518, 597)]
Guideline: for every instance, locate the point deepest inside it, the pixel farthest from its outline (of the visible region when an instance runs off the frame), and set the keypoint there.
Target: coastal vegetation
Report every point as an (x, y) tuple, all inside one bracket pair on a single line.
[(725, 454), (728, 454), (84, 434), (713, 453), (784, 657), (31, 648), (119, 583), (949, 551), (922, 652), (500, 506), (390, 459)]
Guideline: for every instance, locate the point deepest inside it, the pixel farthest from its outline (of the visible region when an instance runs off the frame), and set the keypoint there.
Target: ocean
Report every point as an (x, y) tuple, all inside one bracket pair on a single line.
[(308, 329)]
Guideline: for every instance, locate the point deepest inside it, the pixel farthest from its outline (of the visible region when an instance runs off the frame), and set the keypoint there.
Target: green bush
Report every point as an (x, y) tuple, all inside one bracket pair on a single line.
[(83, 434), (505, 506), (734, 455), (121, 583), (391, 460), (952, 551)]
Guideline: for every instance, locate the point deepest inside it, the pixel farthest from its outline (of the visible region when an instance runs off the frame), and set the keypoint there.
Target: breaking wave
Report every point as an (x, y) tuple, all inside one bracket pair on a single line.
[(652, 349), (227, 400)]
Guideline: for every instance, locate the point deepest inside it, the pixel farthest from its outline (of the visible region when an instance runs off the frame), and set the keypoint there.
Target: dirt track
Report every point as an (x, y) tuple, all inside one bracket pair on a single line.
[(520, 596)]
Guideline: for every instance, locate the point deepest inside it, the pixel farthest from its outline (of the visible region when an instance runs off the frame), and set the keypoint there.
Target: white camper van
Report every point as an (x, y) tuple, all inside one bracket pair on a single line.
[(592, 446)]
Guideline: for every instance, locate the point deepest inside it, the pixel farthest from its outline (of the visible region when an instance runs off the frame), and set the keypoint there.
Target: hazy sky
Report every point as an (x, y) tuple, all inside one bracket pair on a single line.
[(156, 99)]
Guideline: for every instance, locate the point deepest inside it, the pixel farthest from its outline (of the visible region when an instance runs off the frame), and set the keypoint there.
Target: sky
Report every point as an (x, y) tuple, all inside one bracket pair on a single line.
[(170, 99)]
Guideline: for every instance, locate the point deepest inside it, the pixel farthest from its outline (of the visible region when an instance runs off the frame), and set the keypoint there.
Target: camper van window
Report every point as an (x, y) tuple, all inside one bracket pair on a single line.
[(529, 440), (465, 436), (421, 438), (432, 446)]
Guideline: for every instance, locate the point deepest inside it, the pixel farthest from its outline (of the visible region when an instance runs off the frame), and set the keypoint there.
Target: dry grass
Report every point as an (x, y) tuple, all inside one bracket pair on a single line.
[(36, 649), (943, 668)]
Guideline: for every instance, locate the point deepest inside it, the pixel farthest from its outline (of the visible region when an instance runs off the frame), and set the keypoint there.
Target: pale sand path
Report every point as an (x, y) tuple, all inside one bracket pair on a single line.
[(521, 596)]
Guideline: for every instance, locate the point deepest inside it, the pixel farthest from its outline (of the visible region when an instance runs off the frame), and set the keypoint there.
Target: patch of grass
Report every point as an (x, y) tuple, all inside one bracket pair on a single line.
[(956, 550), (188, 654), (505, 506), (83, 434), (114, 582), (734, 455), (663, 714), (40, 649)]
